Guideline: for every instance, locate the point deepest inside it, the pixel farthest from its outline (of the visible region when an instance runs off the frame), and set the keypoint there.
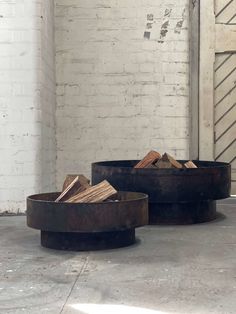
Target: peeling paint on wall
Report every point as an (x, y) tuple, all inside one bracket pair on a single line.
[(150, 17), (179, 24), (147, 35), (165, 25), (164, 29), (194, 2), (168, 12), (150, 21)]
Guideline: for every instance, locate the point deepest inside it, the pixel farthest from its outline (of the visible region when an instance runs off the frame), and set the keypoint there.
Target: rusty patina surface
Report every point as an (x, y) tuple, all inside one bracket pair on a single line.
[(81, 241), (81, 226), (176, 196)]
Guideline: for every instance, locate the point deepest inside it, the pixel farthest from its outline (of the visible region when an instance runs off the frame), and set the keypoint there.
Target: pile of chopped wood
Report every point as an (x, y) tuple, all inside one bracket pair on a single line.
[(76, 189), (155, 160)]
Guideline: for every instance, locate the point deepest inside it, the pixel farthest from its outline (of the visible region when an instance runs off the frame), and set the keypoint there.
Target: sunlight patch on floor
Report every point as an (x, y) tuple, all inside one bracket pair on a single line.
[(112, 309)]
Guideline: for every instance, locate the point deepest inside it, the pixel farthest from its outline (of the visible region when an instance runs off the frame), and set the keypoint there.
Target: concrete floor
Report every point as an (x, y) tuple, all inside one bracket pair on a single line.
[(177, 269)]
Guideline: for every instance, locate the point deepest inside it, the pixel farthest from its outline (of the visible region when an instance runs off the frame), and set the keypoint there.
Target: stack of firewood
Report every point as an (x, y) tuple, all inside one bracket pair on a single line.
[(155, 160), (76, 189)]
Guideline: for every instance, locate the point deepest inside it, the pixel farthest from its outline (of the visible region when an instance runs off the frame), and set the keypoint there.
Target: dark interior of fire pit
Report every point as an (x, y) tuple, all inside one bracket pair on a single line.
[(120, 196)]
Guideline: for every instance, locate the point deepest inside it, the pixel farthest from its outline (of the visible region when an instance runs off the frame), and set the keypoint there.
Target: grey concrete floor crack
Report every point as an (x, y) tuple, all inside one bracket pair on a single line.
[(74, 283)]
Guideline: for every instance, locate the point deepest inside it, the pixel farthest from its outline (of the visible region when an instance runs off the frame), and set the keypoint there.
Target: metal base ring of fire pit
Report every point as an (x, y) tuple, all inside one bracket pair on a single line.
[(176, 196), (78, 241), (87, 226)]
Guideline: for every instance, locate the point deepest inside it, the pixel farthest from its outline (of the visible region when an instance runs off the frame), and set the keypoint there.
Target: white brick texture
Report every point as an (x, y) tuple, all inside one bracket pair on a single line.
[(27, 101), (121, 87), (122, 69)]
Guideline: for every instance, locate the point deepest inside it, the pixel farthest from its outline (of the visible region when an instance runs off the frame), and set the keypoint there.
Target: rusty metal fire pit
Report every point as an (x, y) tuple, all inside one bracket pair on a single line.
[(87, 226), (176, 196)]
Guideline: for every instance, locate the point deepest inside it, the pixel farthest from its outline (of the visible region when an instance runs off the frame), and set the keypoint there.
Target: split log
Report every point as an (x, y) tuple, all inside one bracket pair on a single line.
[(93, 194), (167, 161), (190, 164), (148, 160), (71, 177), (78, 184)]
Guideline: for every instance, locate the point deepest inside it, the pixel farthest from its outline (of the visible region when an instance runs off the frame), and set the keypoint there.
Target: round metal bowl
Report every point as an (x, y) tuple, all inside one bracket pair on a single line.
[(87, 226), (176, 196)]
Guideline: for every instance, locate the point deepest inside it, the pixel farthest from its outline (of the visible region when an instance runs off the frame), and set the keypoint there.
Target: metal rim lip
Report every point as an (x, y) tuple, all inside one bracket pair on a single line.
[(44, 214), (202, 164), (134, 161), (33, 197)]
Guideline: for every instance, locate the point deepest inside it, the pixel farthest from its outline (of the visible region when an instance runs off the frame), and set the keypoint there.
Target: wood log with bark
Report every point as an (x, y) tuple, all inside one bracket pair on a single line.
[(93, 194), (167, 161), (148, 160), (73, 185), (190, 164)]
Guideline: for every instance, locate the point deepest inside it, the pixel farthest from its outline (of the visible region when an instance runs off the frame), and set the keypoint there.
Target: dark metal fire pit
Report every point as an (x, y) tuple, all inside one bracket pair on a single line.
[(176, 196), (87, 226)]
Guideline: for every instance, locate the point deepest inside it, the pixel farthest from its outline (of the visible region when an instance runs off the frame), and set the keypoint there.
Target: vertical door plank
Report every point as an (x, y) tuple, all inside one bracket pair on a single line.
[(194, 80), (206, 79)]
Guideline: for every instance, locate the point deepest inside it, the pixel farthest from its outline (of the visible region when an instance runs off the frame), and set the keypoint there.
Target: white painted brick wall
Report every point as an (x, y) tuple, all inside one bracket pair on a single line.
[(27, 102), (120, 94)]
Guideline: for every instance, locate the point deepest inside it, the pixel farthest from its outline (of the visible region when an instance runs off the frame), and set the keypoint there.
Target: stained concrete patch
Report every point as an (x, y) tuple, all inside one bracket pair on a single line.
[(173, 269)]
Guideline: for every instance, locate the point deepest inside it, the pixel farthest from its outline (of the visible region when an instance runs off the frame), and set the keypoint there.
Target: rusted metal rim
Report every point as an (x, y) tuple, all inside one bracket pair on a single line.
[(210, 181), (182, 213), (75, 241), (129, 212), (176, 196), (127, 164)]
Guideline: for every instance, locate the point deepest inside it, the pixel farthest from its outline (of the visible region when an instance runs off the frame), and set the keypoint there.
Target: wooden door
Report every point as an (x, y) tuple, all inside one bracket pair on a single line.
[(217, 83)]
